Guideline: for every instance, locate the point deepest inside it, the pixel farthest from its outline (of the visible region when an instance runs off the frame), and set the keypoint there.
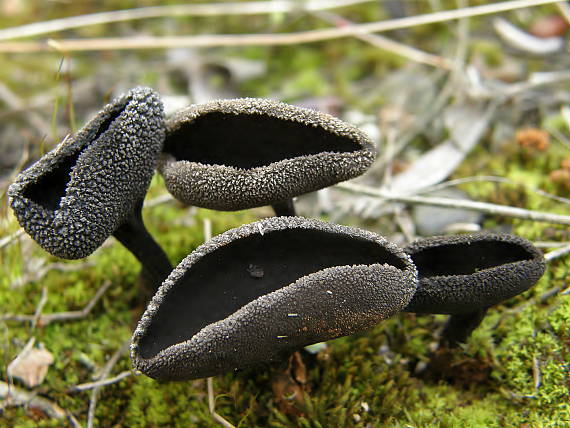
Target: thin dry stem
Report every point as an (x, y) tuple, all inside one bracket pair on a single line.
[(100, 383), (483, 207), (40, 307), (536, 373), (204, 9), (92, 406), (14, 396), (101, 376), (492, 178), (550, 244), (556, 254), (106, 369), (59, 316), (158, 200), (10, 239), (226, 40), (212, 405), (25, 350), (40, 272), (389, 45)]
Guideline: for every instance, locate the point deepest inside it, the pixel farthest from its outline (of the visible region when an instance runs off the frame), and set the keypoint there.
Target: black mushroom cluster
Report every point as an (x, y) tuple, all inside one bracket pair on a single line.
[(261, 291)]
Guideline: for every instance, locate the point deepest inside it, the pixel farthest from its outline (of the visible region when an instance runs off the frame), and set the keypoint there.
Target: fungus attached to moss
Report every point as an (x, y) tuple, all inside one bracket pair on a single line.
[(93, 183), (261, 291), (464, 275), (237, 154)]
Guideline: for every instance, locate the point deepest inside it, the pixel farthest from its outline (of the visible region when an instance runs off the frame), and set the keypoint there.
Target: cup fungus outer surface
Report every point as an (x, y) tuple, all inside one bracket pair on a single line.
[(322, 305), (465, 273), (327, 151), (76, 195)]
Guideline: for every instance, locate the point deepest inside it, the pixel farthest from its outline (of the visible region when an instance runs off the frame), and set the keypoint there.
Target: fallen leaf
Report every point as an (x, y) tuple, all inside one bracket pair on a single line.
[(289, 386), (31, 365), (466, 125)]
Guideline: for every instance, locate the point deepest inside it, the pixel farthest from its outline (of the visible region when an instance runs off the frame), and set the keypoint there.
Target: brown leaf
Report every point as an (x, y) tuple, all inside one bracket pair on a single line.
[(289, 386), (31, 366)]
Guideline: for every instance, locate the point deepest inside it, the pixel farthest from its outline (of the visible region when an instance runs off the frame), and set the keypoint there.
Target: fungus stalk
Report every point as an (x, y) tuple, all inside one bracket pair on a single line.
[(459, 327), (284, 208), (135, 237)]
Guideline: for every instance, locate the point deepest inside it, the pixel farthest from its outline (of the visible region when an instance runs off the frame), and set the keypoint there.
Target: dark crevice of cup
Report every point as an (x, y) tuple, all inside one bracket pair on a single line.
[(246, 141), (48, 190), (56, 181), (465, 259)]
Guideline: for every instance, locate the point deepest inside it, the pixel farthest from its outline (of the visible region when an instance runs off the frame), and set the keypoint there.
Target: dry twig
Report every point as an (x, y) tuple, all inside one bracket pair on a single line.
[(551, 244), (204, 9), (14, 396), (106, 369), (59, 316), (536, 373), (212, 405), (389, 45), (483, 207), (10, 239), (555, 254), (226, 40), (158, 200), (210, 381), (101, 376), (102, 382), (26, 349), (44, 269), (40, 307), (496, 179)]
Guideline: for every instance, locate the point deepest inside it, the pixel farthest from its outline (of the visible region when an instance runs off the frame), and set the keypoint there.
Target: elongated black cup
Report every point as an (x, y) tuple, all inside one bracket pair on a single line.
[(464, 275), (93, 183), (237, 154), (261, 291)]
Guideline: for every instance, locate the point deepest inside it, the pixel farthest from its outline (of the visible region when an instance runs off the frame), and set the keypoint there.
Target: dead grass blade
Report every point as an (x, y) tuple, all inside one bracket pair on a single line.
[(40, 319), (202, 9), (226, 40), (483, 207)]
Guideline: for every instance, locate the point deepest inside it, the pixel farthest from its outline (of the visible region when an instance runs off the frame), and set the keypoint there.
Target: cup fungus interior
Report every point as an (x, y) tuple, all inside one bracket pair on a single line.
[(223, 281), (48, 189), (249, 141), (465, 259)]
